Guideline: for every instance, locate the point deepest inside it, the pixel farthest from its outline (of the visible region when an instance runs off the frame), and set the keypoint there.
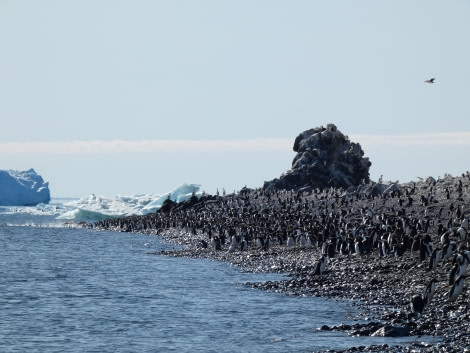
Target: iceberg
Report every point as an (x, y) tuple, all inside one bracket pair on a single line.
[(23, 188), (180, 194), (95, 208)]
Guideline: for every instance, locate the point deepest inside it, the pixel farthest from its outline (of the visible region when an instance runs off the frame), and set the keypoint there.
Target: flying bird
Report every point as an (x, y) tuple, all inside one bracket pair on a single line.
[(431, 80)]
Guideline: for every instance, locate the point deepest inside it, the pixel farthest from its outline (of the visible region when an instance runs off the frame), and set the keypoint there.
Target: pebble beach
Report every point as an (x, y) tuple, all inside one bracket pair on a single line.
[(381, 244)]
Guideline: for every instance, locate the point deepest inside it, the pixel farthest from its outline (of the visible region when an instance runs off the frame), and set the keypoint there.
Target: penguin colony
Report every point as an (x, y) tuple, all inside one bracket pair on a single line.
[(405, 247)]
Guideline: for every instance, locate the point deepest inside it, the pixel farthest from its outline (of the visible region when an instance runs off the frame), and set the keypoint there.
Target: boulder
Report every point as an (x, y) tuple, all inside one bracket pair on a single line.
[(325, 158)]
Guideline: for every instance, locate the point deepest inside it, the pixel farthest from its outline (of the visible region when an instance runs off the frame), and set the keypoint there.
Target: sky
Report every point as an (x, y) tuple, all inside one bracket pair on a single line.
[(121, 97)]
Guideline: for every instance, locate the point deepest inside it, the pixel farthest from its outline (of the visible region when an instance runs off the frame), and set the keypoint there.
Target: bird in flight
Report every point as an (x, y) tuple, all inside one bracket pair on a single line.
[(431, 80)]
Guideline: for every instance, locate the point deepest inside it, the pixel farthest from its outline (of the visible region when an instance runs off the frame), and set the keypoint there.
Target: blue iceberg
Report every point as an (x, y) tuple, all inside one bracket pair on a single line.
[(23, 188)]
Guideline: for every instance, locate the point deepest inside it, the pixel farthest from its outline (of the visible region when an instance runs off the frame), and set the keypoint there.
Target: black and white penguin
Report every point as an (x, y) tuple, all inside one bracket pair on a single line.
[(215, 243), (320, 266), (447, 250), (259, 242), (235, 240), (302, 239), (465, 223), (457, 270), (434, 259), (268, 243), (243, 244), (290, 240), (343, 248), (331, 250), (203, 244), (461, 233), (399, 250), (456, 289), (310, 241), (416, 303), (430, 291), (358, 246), (385, 248), (445, 238), (425, 248), (233, 247)]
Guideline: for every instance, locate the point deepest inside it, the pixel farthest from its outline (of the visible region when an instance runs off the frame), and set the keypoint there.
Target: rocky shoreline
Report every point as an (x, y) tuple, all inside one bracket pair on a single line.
[(378, 240)]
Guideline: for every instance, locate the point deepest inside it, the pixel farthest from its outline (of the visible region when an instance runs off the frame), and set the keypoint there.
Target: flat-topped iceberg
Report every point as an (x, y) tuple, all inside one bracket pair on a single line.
[(23, 188)]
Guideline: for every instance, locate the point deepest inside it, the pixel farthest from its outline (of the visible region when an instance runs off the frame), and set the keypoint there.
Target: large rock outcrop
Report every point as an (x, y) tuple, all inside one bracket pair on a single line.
[(325, 158)]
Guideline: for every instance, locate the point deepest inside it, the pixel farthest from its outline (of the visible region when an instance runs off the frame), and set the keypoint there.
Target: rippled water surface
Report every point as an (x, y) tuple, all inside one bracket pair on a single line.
[(76, 290)]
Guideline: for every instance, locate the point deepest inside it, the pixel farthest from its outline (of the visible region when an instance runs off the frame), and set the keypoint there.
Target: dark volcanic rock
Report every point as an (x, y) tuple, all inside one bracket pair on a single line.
[(325, 158)]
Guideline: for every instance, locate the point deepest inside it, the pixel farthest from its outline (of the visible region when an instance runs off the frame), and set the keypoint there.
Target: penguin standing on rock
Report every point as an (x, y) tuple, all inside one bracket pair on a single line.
[(434, 259), (358, 246), (385, 248), (232, 247), (416, 303), (429, 292), (243, 244), (456, 289), (268, 243), (331, 250), (290, 240), (320, 266)]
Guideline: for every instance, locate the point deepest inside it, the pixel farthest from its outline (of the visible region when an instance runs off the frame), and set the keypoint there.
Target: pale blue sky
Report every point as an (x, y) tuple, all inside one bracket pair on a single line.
[(117, 97)]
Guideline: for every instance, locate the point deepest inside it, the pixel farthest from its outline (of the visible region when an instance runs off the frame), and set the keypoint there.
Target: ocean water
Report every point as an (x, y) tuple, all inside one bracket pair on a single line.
[(76, 290)]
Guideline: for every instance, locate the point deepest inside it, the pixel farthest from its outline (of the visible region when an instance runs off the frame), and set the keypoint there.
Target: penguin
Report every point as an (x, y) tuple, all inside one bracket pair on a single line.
[(232, 247), (259, 242), (425, 249), (430, 291), (343, 248), (331, 250), (399, 250), (215, 243), (415, 246), (447, 250), (462, 234), (456, 289), (445, 238), (456, 271), (320, 266), (310, 241), (358, 247), (268, 243), (235, 240), (243, 244), (465, 224), (434, 259), (385, 248), (290, 240), (416, 303), (303, 240)]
